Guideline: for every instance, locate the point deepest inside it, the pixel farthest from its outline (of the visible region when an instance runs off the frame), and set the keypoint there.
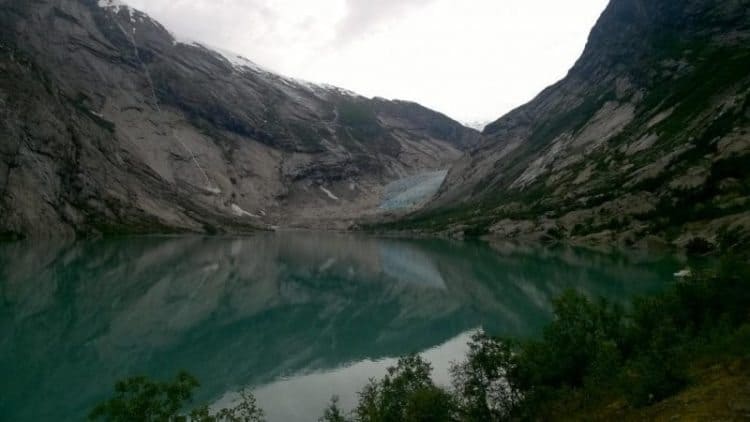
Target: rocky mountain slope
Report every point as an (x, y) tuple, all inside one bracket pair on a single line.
[(109, 124), (647, 138)]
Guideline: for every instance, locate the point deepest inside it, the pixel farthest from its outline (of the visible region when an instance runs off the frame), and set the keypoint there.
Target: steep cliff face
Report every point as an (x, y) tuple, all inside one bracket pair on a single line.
[(110, 124), (647, 135)]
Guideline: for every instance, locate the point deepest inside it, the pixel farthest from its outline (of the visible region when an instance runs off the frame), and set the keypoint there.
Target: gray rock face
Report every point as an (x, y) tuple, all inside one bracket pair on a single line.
[(110, 125), (648, 134)]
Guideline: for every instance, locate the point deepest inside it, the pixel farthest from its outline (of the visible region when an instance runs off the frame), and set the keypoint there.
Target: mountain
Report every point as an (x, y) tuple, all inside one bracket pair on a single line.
[(477, 124), (111, 125), (645, 140)]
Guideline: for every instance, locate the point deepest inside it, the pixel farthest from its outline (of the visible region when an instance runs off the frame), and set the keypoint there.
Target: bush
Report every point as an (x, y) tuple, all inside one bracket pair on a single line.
[(139, 399), (333, 413), (571, 344), (429, 404), (699, 246), (652, 377), (406, 393), (594, 349), (246, 411), (591, 350), (481, 382), (606, 361)]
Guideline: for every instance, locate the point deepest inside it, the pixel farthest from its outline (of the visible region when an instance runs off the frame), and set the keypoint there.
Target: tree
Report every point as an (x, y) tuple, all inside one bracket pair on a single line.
[(483, 383), (246, 410), (406, 393), (140, 399), (333, 413)]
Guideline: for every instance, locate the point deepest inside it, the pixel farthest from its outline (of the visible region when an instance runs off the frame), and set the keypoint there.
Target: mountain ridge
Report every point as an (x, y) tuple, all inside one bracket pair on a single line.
[(645, 141), (111, 125)]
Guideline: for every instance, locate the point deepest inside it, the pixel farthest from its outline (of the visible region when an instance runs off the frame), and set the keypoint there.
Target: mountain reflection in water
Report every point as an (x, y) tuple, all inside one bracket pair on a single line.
[(295, 316)]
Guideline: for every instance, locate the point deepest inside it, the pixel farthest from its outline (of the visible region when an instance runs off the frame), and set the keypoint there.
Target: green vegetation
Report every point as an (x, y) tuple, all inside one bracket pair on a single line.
[(309, 135), (333, 412), (595, 351), (593, 354), (357, 114), (694, 81), (406, 393), (358, 123), (140, 399), (716, 71), (10, 236)]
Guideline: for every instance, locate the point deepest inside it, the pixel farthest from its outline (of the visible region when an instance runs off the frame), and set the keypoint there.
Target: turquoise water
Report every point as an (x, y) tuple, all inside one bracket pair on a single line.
[(296, 317)]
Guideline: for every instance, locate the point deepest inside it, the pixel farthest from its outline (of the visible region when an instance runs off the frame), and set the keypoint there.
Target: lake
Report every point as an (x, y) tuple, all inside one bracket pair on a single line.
[(296, 317)]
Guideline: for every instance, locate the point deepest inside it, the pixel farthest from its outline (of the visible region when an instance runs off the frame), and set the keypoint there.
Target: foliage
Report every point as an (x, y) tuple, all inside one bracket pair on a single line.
[(480, 382), (571, 344), (429, 404), (406, 393), (140, 399), (246, 411), (357, 114), (698, 246), (333, 412), (592, 351), (593, 348)]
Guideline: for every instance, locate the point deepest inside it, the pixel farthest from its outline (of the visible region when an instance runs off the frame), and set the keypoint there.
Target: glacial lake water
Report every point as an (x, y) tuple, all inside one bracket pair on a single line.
[(294, 317)]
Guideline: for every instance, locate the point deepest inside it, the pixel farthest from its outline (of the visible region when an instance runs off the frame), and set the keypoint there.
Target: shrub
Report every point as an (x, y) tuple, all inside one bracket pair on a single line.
[(404, 392), (333, 413), (594, 349), (571, 343), (482, 382), (429, 404), (699, 246), (591, 350), (139, 399), (246, 411), (731, 238), (653, 376)]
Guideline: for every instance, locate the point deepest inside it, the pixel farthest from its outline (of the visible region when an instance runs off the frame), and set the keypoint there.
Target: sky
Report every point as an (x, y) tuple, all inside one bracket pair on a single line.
[(473, 60)]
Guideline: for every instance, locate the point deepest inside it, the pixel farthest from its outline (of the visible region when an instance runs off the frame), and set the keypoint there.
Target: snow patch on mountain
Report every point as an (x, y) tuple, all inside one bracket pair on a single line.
[(339, 90), (116, 5), (239, 62), (330, 195), (112, 4), (135, 16), (477, 125), (239, 212)]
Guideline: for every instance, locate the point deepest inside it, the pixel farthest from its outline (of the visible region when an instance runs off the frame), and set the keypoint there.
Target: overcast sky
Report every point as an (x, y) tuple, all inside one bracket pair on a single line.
[(471, 59)]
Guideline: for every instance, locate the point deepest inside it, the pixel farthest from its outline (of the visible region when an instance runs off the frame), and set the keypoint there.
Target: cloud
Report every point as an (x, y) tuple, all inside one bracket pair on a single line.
[(211, 21), (363, 15), (473, 60)]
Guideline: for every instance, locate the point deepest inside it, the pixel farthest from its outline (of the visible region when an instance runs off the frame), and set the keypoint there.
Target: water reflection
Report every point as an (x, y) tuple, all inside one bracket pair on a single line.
[(303, 397), (283, 313)]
